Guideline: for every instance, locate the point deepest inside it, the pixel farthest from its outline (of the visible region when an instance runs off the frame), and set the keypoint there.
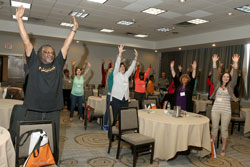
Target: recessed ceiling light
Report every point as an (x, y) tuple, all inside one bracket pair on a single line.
[(197, 21), (77, 41), (24, 17), (156, 51), (78, 14), (229, 14), (98, 1), (141, 35), (106, 30), (66, 24), (153, 11), (179, 48), (245, 9), (213, 45), (17, 4), (124, 22), (182, 1), (164, 29)]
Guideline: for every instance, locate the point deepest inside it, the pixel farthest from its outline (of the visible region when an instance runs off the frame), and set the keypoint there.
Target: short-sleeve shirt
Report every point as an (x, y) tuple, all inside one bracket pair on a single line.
[(44, 88)]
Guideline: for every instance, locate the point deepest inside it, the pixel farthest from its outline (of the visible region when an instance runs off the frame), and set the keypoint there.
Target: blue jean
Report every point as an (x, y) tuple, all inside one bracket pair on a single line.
[(106, 116), (76, 100)]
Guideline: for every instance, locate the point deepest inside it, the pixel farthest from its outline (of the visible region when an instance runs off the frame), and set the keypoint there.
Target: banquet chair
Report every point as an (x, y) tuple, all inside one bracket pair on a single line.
[(13, 93), (140, 144), (133, 103), (236, 118), (90, 86), (24, 126), (156, 97), (89, 113), (149, 102), (101, 91), (87, 93)]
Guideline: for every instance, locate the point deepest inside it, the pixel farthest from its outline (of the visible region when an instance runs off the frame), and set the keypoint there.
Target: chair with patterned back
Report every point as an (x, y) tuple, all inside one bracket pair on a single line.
[(140, 144), (236, 118)]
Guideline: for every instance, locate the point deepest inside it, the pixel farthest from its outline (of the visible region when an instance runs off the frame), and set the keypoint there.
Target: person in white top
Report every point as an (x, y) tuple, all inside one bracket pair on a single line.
[(120, 90)]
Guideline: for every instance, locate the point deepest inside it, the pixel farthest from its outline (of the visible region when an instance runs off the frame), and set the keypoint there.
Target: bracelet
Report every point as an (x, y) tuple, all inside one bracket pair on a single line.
[(73, 31)]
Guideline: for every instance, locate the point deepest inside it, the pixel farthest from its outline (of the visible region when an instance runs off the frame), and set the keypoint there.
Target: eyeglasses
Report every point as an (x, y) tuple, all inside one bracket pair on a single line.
[(48, 52)]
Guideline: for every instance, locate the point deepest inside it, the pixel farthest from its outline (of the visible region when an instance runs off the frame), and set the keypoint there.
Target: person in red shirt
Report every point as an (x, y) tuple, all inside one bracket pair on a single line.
[(140, 84), (210, 84)]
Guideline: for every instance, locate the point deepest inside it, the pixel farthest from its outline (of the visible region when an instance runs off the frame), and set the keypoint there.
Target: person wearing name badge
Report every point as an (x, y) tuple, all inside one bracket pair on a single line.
[(77, 91), (184, 86), (120, 89), (223, 93), (140, 84)]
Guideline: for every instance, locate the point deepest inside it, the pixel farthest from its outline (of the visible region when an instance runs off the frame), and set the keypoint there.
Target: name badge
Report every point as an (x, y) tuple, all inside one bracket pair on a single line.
[(78, 85), (219, 99), (182, 94), (69, 81)]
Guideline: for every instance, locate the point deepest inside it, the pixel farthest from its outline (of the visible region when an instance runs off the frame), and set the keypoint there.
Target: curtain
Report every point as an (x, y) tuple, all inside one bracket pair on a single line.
[(203, 56)]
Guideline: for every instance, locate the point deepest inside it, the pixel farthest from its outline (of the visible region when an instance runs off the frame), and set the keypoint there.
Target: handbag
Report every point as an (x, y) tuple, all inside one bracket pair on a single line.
[(39, 150)]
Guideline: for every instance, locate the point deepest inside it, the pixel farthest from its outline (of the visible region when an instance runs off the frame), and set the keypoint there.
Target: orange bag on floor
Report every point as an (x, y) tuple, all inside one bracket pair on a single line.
[(41, 154)]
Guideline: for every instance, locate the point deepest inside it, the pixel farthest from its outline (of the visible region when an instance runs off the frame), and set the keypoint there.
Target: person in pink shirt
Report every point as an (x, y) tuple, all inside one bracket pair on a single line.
[(140, 85)]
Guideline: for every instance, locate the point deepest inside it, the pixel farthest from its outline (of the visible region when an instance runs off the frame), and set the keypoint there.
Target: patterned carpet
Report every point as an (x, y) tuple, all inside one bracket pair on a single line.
[(88, 148)]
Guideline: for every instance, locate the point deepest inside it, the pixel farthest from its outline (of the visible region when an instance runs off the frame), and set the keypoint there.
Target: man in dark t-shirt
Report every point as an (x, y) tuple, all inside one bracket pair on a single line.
[(43, 97)]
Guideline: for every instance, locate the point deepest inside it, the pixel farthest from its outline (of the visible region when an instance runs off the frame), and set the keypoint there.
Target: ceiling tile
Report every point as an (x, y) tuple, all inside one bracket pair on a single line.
[(198, 14), (170, 15), (135, 7)]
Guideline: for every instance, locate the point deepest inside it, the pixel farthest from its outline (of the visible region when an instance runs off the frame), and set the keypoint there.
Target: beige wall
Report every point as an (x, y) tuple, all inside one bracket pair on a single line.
[(93, 52)]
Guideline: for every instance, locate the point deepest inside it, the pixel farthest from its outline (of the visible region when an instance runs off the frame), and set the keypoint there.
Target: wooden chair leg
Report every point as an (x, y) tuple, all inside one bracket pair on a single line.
[(134, 156), (110, 143), (152, 153), (232, 127), (118, 149)]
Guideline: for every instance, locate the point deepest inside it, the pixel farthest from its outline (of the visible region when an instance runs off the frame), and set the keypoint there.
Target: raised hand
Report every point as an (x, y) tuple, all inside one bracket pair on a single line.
[(121, 49), (220, 64), (194, 65), (136, 54), (172, 64), (89, 65), (20, 12), (179, 67), (73, 63), (75, 27), (138, 63), (150, 66), (235, 58), (109, 61), (215, 57), (103, 61)]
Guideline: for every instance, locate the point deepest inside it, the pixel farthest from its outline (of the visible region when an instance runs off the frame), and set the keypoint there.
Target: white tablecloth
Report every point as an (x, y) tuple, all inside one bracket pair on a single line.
[(6, 106), (246, 115), (175, 134), (7, 151), (98, 103), (201, 105)]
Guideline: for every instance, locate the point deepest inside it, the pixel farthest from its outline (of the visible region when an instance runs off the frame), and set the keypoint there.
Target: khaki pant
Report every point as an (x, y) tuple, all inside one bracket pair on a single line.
[(225, 120)]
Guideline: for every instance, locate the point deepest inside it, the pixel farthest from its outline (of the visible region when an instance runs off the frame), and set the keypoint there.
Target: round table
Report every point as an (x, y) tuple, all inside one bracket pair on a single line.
[(6, 106), (175, 134), (246, 114), (98, 103), (201, 105), (7, 151)]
